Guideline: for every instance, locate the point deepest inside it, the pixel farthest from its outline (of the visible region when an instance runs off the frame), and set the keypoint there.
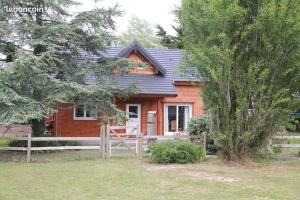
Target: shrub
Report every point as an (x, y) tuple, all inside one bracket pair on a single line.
[(23, 143), (175, 152), (299, 153), (201, 124), (277, 150)]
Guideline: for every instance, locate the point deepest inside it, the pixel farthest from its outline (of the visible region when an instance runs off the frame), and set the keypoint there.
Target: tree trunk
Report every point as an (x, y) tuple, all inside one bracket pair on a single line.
[(38, 127)]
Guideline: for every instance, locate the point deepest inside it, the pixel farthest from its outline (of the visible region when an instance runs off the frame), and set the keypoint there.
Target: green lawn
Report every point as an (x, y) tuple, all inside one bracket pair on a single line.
[(59, 176), (3, 142)]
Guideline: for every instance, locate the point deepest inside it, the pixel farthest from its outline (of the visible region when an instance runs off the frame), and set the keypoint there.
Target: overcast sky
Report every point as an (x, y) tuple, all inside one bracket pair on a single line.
[(153, 11)]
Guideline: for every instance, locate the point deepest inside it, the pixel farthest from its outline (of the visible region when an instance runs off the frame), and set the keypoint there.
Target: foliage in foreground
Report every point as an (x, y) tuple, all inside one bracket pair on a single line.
[(23, 143), (175, 152), (249, 52), (202, 124), (277, 150), (57, 64)]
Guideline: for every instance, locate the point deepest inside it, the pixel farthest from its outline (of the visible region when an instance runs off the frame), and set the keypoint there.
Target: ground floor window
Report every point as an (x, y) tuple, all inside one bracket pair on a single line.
[(84, 112), (177, 117)]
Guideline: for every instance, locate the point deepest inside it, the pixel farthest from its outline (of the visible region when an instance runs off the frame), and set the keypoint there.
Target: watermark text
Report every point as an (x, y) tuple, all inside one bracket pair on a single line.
[(18, 9)]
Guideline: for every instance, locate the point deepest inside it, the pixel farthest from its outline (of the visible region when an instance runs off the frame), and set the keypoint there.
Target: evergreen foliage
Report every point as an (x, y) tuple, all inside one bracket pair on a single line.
[(200, 124), (171, 41), (248, 53), (58, 63), (141, 31)]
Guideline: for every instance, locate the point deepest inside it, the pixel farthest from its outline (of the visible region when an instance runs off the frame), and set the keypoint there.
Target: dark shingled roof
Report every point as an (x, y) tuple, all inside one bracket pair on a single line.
[(166, 61)]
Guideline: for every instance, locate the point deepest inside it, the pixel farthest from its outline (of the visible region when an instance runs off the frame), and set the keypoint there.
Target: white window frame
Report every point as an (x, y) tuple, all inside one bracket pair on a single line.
[(84, 113), (166, 122)]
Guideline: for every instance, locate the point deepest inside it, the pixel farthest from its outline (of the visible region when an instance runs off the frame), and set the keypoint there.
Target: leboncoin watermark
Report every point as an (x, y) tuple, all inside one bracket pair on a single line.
[(18, 9)]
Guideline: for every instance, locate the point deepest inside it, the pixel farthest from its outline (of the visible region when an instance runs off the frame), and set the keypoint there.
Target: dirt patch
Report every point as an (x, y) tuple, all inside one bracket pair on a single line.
[(153, 167), (210, 177), (186, 170)]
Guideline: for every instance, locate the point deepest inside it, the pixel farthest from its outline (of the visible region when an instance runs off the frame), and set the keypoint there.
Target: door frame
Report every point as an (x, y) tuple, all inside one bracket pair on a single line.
[(139, 113)]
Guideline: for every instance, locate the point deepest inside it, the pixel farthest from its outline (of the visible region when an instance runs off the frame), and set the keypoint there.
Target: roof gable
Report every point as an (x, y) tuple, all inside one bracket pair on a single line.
[(135, 46)]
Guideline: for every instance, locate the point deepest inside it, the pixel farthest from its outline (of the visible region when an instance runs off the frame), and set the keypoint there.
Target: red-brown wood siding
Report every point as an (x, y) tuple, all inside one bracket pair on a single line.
[(67, 126), (138, 57)]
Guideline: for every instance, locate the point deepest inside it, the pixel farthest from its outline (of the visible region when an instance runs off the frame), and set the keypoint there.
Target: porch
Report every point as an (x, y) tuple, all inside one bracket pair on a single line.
[(171, 115)]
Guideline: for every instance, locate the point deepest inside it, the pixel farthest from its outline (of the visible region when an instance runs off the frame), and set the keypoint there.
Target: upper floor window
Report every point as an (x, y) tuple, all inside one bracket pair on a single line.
[(84, 112)]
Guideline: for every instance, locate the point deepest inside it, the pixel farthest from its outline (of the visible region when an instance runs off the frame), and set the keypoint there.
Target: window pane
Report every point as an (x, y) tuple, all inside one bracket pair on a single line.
[(90, 112), (180, 118), (79, 111), (183, 117), (172, 119), (133, 111)]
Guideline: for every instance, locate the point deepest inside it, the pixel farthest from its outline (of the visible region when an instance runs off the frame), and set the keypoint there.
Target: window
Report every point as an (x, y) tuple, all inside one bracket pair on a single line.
[(177, 117), (133, 111), (84, 112)]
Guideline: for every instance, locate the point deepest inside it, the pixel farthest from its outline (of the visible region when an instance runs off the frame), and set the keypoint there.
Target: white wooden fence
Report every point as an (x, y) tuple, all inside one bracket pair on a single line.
[(285, 138), (108, 137)]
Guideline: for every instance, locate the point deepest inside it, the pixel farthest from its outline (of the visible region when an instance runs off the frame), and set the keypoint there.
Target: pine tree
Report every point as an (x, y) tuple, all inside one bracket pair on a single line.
[(170, 41), (248, 53), (57, 62)]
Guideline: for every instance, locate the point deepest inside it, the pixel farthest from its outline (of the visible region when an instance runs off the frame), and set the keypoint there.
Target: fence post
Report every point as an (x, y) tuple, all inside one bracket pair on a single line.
[(139, 141), (107, 151), (29, 147), (141, 146), (270, 143), (102, 141), (204, 141)]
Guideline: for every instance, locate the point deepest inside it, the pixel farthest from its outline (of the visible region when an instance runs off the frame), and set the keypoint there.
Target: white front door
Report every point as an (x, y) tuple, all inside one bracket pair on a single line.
[(133, 114)]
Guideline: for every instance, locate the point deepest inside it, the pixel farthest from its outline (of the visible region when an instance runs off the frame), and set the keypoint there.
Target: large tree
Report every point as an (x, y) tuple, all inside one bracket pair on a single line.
[(57, 63), (141, 31), (168, 40), (248, 54)]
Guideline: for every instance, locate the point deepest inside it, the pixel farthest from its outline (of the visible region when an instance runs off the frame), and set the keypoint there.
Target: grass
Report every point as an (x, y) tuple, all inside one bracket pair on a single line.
[(288, 141), (3, 142), (81, 175), (293, 141)]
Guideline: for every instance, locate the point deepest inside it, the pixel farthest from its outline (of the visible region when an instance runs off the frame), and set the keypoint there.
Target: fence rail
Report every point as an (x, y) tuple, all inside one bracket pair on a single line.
[(285, 138), (287, 145), (54, 138), (108, 137)]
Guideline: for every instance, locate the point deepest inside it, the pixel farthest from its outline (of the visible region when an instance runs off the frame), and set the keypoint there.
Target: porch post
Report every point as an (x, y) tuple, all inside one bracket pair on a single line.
[(160, 120)]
